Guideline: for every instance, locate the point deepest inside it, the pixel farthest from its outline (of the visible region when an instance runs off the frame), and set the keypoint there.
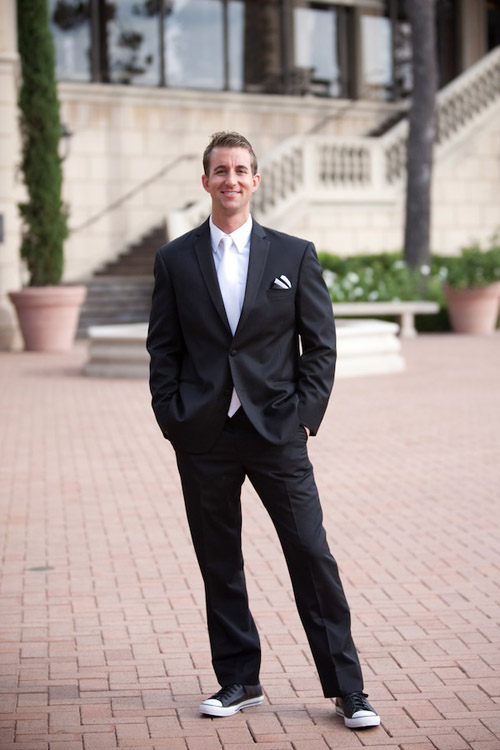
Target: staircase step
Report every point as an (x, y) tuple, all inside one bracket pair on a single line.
[(139, 257), (120, 292)]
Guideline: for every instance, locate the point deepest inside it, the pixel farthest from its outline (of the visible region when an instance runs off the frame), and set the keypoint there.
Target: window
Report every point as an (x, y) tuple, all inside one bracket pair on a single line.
[(70, 25), (194, 49), (376, 57), (321, 47), (493, 23), (256, 46), (133, 42)]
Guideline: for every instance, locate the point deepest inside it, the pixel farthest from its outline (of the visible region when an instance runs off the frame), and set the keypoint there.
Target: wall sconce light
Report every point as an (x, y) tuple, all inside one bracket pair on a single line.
[(65, 141)]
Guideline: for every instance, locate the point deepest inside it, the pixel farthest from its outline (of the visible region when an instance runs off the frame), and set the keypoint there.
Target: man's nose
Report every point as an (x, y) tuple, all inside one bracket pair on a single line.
[(231, 177)]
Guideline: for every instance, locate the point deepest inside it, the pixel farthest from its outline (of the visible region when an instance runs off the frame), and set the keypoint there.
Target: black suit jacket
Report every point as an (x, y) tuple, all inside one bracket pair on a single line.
[(281, 358)]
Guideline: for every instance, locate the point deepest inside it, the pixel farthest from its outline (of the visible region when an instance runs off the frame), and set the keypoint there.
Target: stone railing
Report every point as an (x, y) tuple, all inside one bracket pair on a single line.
[(321, 168), (457, 105), (328, 168), (468, 96)]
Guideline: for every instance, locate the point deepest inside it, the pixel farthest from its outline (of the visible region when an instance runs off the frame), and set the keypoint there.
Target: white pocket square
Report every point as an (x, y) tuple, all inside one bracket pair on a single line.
[(282, 282)]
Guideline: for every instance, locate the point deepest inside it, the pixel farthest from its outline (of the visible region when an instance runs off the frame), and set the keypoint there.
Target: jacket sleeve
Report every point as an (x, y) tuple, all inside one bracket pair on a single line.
[(316, 328), (165, 343)]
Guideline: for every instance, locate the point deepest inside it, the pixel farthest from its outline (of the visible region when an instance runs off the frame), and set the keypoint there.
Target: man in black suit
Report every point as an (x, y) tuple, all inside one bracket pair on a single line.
[(242, 345)]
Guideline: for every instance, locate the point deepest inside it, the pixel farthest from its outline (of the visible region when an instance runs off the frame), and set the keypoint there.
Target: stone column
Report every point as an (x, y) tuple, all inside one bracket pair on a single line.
[(11, 189), (472, 31)]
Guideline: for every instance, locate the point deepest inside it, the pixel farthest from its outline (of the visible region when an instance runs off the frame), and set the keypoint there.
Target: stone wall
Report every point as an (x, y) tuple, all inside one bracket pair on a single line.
[(466, 195)]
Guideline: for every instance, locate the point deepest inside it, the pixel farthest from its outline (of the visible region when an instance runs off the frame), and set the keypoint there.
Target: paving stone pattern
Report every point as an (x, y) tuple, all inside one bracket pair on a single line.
[(103, 642)]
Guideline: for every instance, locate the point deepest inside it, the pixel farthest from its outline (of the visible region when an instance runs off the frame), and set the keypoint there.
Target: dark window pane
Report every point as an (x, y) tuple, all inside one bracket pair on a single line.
[(70, 25), (493, 23), (262, 59)]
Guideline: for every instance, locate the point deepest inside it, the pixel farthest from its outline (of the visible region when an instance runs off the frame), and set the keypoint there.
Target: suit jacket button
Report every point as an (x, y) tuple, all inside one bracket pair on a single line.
[(233, 352)]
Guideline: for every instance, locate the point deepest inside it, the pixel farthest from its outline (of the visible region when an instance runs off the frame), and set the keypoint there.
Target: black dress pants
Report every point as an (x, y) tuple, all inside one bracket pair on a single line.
[(282, 475)]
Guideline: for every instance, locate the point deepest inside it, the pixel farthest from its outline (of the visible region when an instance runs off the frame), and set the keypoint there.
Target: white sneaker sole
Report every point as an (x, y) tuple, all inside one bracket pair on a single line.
[(210, 709), (359, 722)]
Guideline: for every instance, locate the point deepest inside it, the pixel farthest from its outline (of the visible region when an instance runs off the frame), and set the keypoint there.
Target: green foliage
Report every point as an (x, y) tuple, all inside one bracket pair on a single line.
[(386, 276), (44, 215), (475, 266), (382, 277)]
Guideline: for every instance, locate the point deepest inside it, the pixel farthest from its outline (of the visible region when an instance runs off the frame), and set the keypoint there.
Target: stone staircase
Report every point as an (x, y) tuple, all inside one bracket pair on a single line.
[(120, 292)]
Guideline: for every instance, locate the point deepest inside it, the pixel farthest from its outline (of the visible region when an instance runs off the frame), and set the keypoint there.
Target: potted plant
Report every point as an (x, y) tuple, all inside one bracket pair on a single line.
[(47, 311), (472, 289)]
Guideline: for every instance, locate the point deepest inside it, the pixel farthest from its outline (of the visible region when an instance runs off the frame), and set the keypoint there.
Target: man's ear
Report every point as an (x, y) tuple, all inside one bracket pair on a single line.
[(255, 182), (204, 182)]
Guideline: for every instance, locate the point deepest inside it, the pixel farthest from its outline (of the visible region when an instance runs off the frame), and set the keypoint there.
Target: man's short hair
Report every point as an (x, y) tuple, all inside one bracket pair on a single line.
[(228, 140)]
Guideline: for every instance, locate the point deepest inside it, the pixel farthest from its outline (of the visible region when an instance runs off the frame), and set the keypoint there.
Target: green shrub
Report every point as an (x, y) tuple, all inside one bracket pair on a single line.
[(475, 266), (382, 278), (44, 216), (385, 277)]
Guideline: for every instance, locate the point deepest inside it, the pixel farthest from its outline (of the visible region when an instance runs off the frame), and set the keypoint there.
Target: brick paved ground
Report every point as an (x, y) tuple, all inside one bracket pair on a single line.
[(103, 642)]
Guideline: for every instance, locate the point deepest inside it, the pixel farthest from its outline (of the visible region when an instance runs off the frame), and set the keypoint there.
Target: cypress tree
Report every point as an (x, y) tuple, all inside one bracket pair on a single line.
[(44, 216)]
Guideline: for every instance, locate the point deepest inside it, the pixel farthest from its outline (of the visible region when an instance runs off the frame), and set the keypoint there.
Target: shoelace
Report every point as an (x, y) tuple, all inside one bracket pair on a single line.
[(226, 693), (356, 701)]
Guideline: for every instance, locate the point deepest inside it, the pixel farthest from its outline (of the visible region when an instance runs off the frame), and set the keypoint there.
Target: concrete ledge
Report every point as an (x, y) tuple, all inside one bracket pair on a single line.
[(368, 347), (365, 347), (118, 351), (404, 312)]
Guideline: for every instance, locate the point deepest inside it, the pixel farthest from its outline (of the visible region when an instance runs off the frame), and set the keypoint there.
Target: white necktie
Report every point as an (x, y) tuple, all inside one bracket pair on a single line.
[(229, 283), (227, 274)]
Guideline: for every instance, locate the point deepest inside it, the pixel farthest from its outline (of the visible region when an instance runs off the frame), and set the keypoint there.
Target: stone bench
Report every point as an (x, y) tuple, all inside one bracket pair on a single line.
[(365, 347), (404, 312)]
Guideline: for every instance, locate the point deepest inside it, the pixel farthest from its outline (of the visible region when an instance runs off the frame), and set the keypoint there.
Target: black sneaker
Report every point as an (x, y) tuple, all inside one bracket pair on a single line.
[(356, 711), (231, 699)]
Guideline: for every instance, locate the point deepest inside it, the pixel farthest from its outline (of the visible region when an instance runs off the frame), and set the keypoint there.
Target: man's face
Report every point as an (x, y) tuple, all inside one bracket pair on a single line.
[(230, 181)]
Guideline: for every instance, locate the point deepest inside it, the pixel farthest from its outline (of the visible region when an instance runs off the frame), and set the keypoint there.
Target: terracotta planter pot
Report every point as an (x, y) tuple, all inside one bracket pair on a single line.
[(473, 310), (48, 316)]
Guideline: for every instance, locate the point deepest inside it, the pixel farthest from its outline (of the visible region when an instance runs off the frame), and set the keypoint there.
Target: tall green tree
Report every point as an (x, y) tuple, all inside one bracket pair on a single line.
[(422, 131), (44, 216)]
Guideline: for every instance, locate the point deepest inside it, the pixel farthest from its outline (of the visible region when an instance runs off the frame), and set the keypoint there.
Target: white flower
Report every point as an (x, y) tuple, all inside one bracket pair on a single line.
[(353, 277), (373, 295), (425, 270), (329, 276)]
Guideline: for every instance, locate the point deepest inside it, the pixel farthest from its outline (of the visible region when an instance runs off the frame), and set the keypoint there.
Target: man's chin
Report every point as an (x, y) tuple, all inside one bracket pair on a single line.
[(231, 207)]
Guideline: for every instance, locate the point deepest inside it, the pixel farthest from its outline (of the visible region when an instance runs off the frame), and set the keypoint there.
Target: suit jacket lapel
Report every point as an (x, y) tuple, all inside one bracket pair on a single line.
[(204, 253), (259, 248)]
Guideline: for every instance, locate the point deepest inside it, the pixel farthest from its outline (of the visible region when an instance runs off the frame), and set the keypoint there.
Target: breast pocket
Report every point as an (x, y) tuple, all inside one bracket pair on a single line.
[(278, 295)]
